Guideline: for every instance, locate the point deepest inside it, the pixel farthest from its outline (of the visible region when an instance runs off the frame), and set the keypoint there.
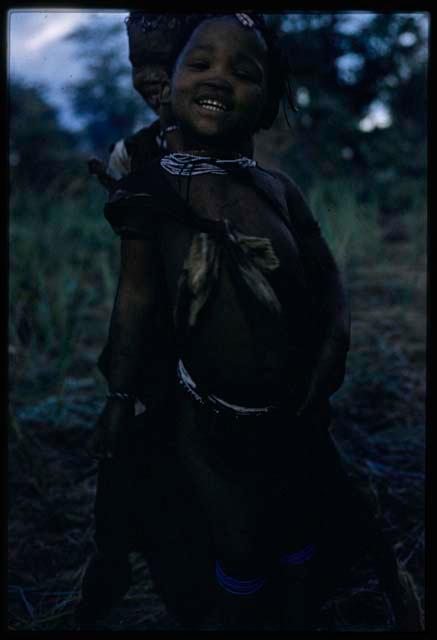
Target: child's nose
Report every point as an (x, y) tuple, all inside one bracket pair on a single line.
[(219, 83), (152, 73)]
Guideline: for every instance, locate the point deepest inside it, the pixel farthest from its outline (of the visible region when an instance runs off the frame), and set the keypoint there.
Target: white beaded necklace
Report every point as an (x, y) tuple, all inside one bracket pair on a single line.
[(188, 164)]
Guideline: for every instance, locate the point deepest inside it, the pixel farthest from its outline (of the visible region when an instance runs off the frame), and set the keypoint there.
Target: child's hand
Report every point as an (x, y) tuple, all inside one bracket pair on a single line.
[(311, 401), (166, 118), (327, 377), (110, 427), (97, 168), (315, 410), (313, 407), (165, 115)]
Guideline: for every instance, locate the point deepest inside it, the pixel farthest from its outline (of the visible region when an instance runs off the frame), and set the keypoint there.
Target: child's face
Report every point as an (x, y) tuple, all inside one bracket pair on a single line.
[(218, 89), (149, 54)]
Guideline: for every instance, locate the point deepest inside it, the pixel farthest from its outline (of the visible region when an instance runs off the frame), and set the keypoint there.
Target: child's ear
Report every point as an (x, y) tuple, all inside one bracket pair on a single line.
[(165, 92), (269, 116)]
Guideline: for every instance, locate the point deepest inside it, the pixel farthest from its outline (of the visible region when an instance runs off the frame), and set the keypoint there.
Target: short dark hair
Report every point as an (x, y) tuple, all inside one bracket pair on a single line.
[(168, 25), (279, 81), (152, 21)]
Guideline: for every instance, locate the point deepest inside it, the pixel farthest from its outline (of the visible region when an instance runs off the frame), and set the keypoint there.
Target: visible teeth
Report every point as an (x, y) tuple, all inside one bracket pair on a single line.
[(212, 105)]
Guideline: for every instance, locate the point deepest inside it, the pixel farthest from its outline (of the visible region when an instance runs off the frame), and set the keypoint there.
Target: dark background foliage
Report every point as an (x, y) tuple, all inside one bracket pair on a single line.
[(366, 185)]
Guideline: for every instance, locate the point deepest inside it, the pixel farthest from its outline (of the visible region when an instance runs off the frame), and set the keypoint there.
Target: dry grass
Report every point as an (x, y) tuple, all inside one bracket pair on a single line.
[(57, 394)]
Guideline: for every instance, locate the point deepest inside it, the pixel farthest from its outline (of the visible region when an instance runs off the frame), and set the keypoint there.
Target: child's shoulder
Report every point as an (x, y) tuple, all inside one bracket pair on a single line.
[(145, 135), (139, 184), (289, 187), (135, 203), (298, 209)]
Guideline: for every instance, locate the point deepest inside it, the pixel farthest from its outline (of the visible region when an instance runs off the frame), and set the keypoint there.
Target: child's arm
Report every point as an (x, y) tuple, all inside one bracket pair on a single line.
[(118, 166), (132, 327), (173, 138), (329, 370), (98, 169), (119, 163)]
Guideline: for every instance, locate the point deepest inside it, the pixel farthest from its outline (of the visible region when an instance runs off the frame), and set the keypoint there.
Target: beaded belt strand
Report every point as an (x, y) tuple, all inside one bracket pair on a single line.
[(299, 557), (237, 587), (214, 401)]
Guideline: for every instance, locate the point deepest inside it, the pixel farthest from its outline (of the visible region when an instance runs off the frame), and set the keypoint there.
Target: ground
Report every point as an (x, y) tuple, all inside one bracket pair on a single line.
[(379, 423)]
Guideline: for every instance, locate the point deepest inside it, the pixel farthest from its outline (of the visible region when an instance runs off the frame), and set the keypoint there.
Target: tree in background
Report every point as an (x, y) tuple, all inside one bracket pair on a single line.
[(42, 153), (105, 99), (342, 74)]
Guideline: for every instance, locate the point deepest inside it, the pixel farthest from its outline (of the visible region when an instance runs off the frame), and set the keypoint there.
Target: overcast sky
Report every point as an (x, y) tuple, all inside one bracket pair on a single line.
[(39, 54)]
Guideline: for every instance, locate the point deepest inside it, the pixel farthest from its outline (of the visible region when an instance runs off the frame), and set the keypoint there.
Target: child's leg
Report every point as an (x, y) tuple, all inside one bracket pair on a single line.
[(108, 576), (277, 517), (243, 589), (253, 561), (235, 517), (299, 610)]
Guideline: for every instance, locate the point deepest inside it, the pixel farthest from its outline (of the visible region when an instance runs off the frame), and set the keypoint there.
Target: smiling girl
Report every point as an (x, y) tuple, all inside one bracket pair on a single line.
[(228, 287)]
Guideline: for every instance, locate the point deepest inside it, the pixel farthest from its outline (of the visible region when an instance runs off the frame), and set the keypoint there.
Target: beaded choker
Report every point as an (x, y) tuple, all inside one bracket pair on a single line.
[(190, 164)]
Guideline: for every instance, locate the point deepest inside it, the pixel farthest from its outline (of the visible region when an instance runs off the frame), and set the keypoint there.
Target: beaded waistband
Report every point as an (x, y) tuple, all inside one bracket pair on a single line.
[(216, 403)]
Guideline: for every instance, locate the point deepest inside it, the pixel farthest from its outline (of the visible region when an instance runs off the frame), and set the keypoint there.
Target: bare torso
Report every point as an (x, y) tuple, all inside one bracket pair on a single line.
[(225, 353)]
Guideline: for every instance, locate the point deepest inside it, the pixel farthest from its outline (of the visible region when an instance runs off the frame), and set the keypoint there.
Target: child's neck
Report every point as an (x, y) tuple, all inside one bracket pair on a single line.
[(205, 148)]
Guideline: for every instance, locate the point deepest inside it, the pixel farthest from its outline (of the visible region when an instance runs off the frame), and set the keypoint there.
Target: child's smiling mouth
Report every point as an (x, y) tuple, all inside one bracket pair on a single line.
[(212, 104)]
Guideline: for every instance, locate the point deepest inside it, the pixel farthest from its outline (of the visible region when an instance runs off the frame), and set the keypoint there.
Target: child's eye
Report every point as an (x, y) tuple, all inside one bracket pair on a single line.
[(240, 73), (246, 74), (198, 64)]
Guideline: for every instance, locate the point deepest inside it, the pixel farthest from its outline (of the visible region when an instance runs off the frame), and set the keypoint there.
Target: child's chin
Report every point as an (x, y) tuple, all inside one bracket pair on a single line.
[(153, 102), (215, 135)]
